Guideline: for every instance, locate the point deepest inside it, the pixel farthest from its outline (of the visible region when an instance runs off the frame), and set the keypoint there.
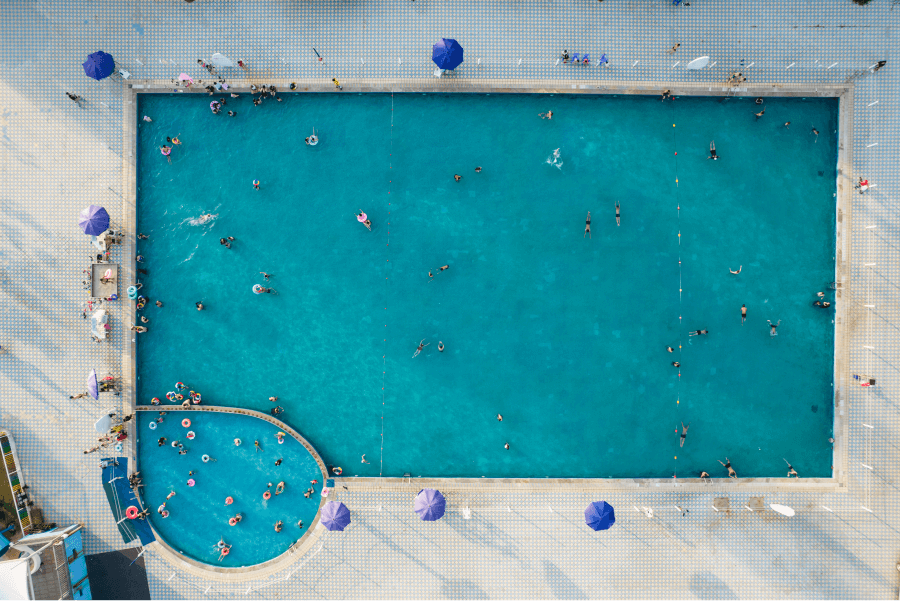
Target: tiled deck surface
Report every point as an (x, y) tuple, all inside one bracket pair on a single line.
[(521, 540)]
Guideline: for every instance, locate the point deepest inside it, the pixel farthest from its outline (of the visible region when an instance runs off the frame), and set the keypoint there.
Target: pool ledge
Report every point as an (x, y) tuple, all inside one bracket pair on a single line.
[(294, 553)]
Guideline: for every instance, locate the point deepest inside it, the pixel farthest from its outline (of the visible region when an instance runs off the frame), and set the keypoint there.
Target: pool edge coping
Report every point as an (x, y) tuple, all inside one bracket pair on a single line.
[(840, 424)]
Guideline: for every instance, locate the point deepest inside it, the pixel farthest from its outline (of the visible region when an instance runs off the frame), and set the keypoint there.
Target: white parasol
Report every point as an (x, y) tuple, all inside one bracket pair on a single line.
[(698, 63), (220, 60), (782, 509)]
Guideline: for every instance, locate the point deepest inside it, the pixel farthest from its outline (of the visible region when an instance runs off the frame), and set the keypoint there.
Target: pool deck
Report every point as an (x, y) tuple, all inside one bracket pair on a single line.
[(500, 538)]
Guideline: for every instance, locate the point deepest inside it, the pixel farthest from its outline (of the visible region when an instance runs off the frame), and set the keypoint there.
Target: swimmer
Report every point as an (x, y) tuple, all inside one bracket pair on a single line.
[(587, 225), (787, 125), (760, 113), (170, 495), (738, 270), (256, 184), (144, 319), (256, 444), (457, 177), (307, 494), (231, 113), (421, 346), (698, 332), (235, 95), (499, 418), (224, 242), (204, 218), (265, 275), (506, 446), (364, 460), (175, 140), (199, 305), (300, 524), (772, 331), (670, 349), (727, 465), (159, 303), (823, 304), (791, 470), (618, 214), (364, 219), (273, 399), (444, 267), (238, 517), (816, 131), (547, 115), (280, 488), (676, 363), (139, 329), (743, 313), (684, 430), (278, 461), (162, 441), (666, 94), (477, 169), (712, 151), (704, 475), (440, 346)]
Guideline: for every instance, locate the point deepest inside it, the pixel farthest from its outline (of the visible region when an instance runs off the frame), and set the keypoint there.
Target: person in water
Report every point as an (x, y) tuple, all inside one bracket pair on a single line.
[(587, 225), (743, 313), (712, 151), (772, 327), (684, 430), (727, 465), (618, 214), (419, 348)]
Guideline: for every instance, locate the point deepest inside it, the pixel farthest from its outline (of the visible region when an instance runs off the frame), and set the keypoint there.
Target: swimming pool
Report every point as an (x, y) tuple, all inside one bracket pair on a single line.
[(198, 515), (563, 335)]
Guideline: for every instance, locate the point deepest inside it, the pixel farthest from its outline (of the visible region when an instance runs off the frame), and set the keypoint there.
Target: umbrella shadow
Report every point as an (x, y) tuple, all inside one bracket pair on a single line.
[(560, 584), (706, 585)]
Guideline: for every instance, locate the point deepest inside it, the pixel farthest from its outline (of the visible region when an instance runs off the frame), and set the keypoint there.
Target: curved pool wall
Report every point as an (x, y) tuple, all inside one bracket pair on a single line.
[(198, 516), (563, 336)]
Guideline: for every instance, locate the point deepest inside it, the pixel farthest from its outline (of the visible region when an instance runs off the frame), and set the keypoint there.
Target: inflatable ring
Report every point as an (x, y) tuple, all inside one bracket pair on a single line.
[(118, 448), (313, 140), (179, 397), (170, 395), (180, 386), (220, 544), (191, 482), (232, 522), (165, 513), (152, 425), (131, 512), (196, 398), (237, 442), (257, 289), (281, 440), (186, 423), (132, 292), (154, 400), (229, 500), (225, 551), (267, 495), (205, 458), (191, 435), (337, 471)]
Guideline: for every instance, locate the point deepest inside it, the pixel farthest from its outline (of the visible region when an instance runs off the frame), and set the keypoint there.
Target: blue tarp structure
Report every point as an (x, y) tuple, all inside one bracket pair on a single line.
[(121, 496)]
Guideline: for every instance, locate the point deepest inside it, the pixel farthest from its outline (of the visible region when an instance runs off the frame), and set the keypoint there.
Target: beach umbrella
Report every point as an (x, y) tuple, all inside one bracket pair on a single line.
[(782, 509), (335, 516), (99, 65), (94, 220), (92, 384), (447, 54), (103, 424), (429, 504), (698, 63), (599, 515), (220, 60)]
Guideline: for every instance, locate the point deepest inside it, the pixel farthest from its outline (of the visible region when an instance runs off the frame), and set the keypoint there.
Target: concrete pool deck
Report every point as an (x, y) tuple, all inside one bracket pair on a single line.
[(520, 539)]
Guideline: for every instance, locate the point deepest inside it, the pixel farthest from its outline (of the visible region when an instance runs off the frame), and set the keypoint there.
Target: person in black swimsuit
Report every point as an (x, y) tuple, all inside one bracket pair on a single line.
[(712, 151), (618, 214), (587, 225)]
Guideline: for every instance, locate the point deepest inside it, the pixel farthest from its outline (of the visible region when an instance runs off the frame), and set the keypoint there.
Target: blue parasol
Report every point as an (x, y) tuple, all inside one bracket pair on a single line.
[(94, 220), (447, 54), (99, 65), (429, 504), (335, 516), (92, 384), (599, 515)]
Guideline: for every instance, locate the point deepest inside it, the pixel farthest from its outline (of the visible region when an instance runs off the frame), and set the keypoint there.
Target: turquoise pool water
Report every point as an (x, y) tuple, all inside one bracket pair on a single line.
[(564, 336), (198, 516)]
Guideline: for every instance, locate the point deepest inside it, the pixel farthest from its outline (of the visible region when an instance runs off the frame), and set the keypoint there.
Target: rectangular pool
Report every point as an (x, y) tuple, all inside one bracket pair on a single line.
[(564, 336)]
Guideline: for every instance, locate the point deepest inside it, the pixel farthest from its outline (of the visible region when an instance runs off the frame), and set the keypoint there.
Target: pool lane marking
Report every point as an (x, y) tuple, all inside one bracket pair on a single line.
[(384, 346), (680, 273)]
